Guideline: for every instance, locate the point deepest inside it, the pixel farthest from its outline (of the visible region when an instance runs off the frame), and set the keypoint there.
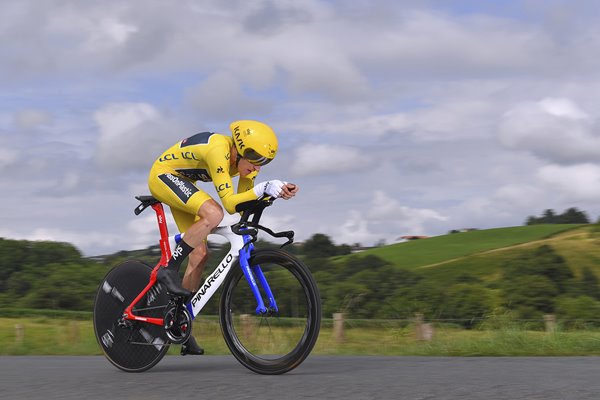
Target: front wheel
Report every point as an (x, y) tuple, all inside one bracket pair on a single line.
[(130, 345), (279, 340)]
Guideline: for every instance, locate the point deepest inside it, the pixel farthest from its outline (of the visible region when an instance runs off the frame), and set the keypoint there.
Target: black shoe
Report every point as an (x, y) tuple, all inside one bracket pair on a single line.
[(170, 278), (191, 347)]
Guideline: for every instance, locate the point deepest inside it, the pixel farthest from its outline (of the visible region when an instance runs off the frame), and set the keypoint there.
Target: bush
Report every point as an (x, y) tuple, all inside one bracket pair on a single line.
[(532, 280), (467, 302), (578, 312)]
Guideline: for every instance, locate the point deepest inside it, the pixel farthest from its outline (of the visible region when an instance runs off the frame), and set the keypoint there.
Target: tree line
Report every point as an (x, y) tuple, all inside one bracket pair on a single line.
[(569, 216), (530, 283)]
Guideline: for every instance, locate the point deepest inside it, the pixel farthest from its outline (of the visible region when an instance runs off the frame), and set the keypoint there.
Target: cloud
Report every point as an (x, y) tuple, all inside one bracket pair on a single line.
[(108, 33), (448, 118), (7, 157), (31, 119), (418, 42), (323, 159), (385, 218), (517, 195), (572, 183), (452, 119), (389, 210), (363, 125), (554, 129), (355, 229), (221, 96), (132, 135)]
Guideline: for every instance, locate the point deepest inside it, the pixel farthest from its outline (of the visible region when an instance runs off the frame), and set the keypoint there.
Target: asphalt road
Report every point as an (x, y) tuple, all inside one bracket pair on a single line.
[(221, 377)]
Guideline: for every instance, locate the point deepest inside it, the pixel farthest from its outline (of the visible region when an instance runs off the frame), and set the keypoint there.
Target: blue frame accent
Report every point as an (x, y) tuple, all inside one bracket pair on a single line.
[(265, 285), (250, 273)]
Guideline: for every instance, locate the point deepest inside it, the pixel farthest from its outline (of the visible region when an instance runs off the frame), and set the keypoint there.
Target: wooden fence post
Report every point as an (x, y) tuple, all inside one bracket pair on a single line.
[(19, 333), (73, 332), (550, 322), (246, 324), (338, 327), (423, 331)]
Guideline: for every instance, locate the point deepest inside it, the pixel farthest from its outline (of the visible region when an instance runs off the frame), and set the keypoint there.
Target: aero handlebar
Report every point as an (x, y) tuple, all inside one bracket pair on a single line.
[(255, 209)]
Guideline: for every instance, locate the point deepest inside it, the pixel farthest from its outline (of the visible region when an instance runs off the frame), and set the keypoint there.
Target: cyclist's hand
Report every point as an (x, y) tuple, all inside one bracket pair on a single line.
[(289, 190), (270, 188)]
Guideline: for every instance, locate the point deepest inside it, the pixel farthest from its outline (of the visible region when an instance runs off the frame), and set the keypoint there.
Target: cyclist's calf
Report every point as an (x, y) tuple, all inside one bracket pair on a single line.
[(193, 272)]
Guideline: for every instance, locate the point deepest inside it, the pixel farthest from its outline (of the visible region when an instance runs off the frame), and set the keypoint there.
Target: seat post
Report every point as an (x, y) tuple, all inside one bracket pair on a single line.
[(165, 248)]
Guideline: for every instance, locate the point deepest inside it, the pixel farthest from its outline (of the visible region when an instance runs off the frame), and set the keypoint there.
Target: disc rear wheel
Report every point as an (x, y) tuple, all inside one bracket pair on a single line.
[(130, 345)]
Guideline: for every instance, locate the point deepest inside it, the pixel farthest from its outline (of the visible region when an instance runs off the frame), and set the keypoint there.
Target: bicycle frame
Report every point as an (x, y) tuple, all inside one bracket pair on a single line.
[(241, 248)]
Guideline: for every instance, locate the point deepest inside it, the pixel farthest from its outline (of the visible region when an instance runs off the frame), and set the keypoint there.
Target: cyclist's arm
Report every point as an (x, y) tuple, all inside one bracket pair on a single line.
[(218, 165), (246, 183)]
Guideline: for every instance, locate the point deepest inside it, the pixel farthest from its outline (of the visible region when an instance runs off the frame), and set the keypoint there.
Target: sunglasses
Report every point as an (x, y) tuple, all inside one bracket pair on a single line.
[(256, 159)]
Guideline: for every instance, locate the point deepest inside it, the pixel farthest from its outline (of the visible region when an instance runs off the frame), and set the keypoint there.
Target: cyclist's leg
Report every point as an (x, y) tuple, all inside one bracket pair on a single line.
[(208, 216), (196, 262), (193, 271), (196, 228), (197, 258), (186, 199)]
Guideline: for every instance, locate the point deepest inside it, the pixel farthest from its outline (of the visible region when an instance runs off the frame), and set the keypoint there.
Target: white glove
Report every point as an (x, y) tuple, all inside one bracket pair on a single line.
[(270, 188)]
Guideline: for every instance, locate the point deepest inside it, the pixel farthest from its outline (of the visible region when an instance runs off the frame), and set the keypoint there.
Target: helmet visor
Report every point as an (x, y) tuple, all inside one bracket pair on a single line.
[(256, 159)]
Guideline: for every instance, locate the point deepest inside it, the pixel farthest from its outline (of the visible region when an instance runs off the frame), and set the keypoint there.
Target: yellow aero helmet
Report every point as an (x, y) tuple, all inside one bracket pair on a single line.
[(254, 141)]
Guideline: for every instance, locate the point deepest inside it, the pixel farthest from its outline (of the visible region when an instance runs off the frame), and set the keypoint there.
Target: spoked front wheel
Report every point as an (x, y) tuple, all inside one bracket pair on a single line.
[(129, 345), (279, 340)]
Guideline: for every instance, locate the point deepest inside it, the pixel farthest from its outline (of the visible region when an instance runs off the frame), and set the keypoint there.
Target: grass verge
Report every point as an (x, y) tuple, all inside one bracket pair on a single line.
[(48, 336)]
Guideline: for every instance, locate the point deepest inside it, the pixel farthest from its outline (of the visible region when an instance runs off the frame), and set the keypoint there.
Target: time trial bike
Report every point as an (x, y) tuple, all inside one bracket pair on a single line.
[(269, 311)]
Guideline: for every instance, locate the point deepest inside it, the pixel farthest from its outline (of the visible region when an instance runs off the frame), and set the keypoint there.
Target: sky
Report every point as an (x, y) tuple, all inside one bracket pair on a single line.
[(393, 117)]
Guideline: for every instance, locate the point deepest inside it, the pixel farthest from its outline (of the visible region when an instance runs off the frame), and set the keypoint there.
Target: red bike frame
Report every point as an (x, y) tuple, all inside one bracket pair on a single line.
[(165, 250)]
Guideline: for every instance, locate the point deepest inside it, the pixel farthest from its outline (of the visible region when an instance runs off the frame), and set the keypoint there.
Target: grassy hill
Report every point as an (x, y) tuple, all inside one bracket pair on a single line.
[(439, 250), (481, 254)]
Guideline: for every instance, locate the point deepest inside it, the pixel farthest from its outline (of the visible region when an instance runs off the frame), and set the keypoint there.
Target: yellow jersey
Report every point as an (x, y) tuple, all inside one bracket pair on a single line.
[(203, 157)]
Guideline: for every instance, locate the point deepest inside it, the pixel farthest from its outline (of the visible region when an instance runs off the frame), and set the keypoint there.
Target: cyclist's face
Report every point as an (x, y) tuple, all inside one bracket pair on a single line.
[(245, 167)]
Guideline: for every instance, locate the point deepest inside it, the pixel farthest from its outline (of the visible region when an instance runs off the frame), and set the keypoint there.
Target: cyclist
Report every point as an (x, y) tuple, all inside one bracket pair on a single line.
[(210, 157)]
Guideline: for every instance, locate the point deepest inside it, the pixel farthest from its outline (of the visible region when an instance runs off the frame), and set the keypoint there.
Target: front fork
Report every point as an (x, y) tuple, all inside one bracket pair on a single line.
[(252, 273)]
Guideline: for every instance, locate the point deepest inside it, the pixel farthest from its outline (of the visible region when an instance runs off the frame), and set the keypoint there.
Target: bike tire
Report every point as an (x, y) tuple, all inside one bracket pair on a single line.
[(271, 345), (140, 346)]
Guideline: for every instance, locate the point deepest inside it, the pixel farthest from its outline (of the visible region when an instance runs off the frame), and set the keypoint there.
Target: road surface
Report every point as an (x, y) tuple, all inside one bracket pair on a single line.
[(319, 377)]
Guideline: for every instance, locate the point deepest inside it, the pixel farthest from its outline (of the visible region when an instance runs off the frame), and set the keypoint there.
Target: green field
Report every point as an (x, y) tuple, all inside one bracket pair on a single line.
[(427, 252)]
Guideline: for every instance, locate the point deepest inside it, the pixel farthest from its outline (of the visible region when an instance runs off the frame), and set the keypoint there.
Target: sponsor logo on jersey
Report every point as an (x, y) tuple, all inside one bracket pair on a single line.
[(168, 157), (223, 186), (188, 155), (182, 188)]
